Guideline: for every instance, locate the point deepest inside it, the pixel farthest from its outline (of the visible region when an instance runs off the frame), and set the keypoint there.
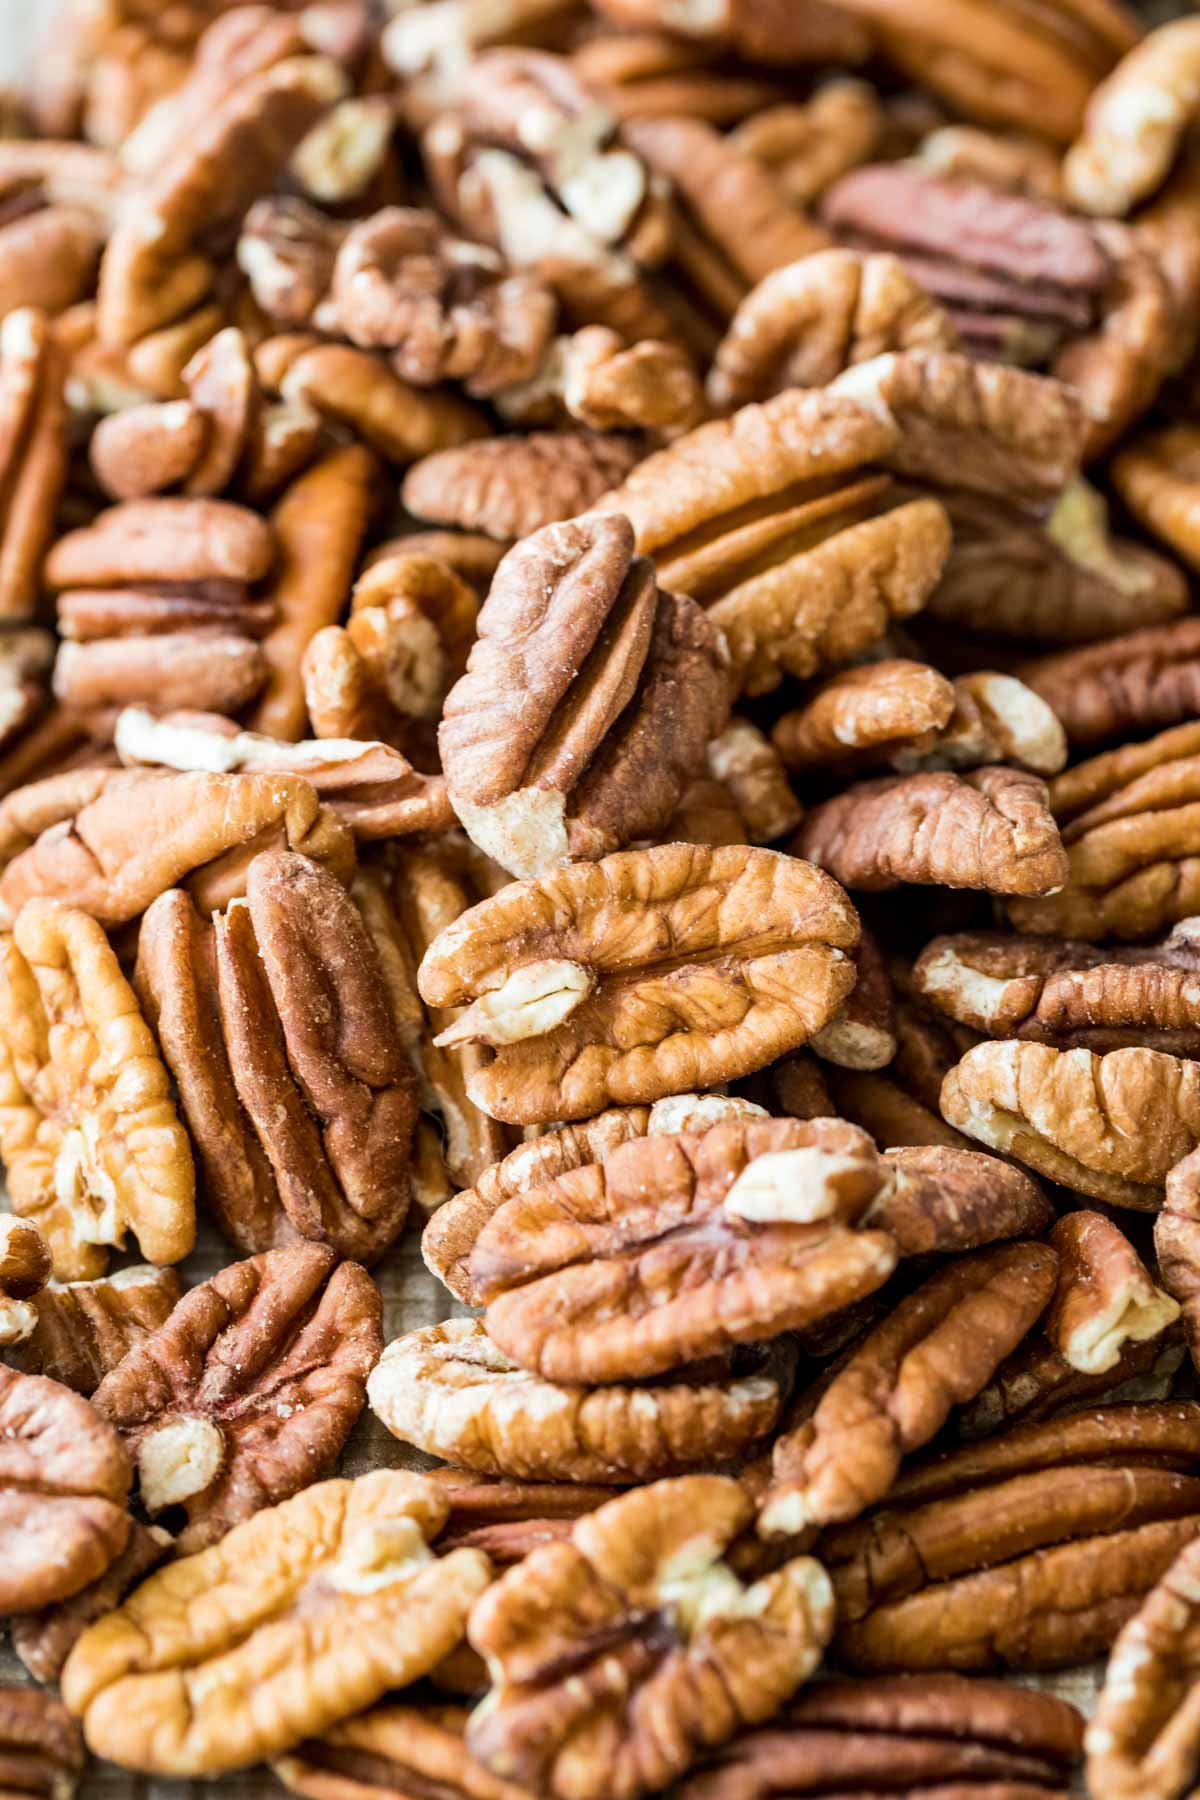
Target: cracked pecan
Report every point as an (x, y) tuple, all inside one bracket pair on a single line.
[(91, 1139), (319, 1606), (64, 1477), (935, 1350), (781, 523), (588, 700), (991, 829), (394, 1749), (290, 1067), (940, 1736), (764, 1237), (511, 486), (1111, 1126), (82, 1329), (33, 455), (1135, 123), (636, 1619), (25, 1265), (582, 1015), (805, 323), (1026, 1551), (1069, 994), (450, 1391), (249, 1390), (41, 1749)]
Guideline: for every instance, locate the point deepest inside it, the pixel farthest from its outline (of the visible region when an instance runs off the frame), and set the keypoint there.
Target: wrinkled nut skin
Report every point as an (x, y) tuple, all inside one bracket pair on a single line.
[(630, 1034), (895, 702), (249, 1390), (160, 540), (1106, 1298), (64, 1478), (449, 1390), (934, 1351), (510, 486), (763, 1239), (393, 1749), (1139, 682), (1109, 1126), (590, 1640), (1177, 1244), (335, 1588), (991, 829), (82, 1329), (946, 1199), (25, 1267), (92, 1143), (587, 701), (41, 1750), (43, 1640)]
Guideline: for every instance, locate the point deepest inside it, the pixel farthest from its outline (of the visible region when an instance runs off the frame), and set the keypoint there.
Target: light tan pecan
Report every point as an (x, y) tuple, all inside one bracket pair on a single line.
[(64, 1477), (1138, 682), (749, 767), (578, 1676), (511, 486), (1118, 368), (862, 1034), (78, 837), (647, 73), (596, 379), (1026, 1551), (565, 976), (33, 455), (290, 1066), (807, 322), (1010, 160), (1135, 123), (809, 144), (1069, 994), (286, 250), (450, 1391), (878, 707), (587, 703), (930, 1732), (319, 1606), (43, 1640), (91, 1139), (1062, 581), (991, 829), (1111, 1126), (393, 1748), (25, 1265), (1157, 476), (935, 1350), (780, 521), (249, 1390), (82, 1329), (1177, 1244), (40, 1744)]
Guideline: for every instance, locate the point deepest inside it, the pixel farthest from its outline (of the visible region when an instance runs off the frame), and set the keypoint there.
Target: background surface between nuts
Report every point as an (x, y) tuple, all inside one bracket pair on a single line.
[(411, 1296)]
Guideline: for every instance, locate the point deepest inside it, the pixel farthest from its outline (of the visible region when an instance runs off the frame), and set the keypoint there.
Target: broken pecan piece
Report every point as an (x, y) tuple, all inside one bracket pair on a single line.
[(319, 1605), (582, 1015), (450, 1391), (991, 829), (25, 1266), (249, 1390), (90, 1135), (637, 1618), (82, 1329), (1110, 1126), (935, 1350), (750, 768), (587, 703), (511, 486)]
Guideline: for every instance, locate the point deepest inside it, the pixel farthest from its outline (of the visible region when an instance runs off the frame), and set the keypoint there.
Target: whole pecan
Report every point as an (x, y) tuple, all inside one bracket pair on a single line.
[(936, 1349), (509, 487), (33, 456), (1139, 682), (1024, 1551), (588, 700), (91, 1139), (64, 1477), (319, 1606), (25, 1265), (1135, 123), (940, 1735), (780, 521), (289, 1065), (450, 1391), (1069, 994), (41, 1747), (550, 978), (991, 829), (1110, 1126), (394, 1748), (82, 1329), (637, 1618), (764, 1236), (249, 1390)]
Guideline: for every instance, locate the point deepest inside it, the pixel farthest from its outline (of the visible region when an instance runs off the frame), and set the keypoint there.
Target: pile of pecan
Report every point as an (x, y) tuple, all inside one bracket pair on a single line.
[(598, 692)]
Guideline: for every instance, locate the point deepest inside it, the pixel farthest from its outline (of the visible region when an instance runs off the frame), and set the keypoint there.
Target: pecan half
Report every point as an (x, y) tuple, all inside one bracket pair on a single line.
[(64, 1478), (33, 455), (43, 1640), (41, 1749), (450, 1391), (1135, 122), (82, 1329), (319, 1606), (1177, 1244), (779, 520), (750, 768), (393, 1749), (935, 1350), (991, 829), (249, 1390), (25, 1266), (1139, 682), (509, 487), (90, 1136), (587, 703), (290, 1067), (1157, 475), (764, 1237), (1069, 994), (551, 978), (1111, 1126), (638, 1618)]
